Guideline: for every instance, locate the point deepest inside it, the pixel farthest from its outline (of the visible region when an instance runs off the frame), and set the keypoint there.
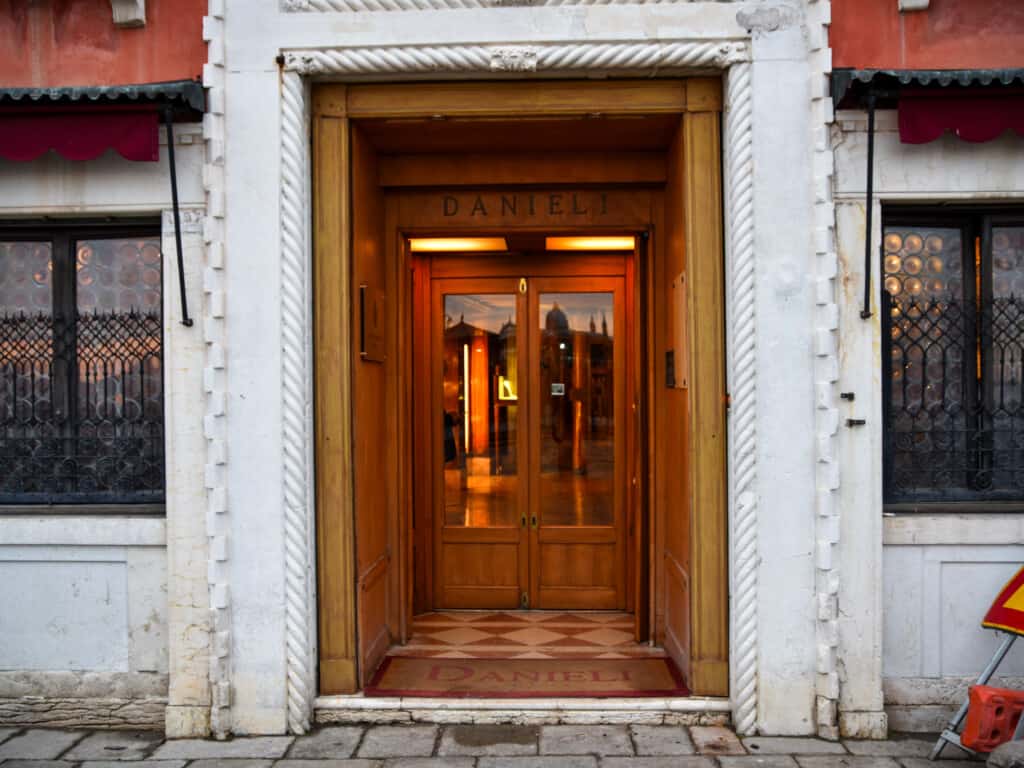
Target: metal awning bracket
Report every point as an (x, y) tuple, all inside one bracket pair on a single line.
[(169, 122), (865, 312)]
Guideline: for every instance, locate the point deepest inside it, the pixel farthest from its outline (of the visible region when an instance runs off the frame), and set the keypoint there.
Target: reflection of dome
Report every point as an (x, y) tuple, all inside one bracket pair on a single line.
[(507, 329), (556, 321)]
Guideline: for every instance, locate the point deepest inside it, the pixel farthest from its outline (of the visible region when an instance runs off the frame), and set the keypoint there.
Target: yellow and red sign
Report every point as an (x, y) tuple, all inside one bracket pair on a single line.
[(1007, 612)]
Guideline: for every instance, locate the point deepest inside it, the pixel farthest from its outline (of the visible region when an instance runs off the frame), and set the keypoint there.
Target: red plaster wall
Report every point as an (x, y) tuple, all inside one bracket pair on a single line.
[(950, 34), (75, 42)]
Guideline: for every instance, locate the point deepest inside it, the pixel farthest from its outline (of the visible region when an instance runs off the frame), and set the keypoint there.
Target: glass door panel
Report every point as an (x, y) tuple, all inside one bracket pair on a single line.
[(480, 402), (577, 399), (481, 555), (577, 387)]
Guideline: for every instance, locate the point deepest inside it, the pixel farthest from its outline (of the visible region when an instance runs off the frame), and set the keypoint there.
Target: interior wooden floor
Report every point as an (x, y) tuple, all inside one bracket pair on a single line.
[(524, 635)]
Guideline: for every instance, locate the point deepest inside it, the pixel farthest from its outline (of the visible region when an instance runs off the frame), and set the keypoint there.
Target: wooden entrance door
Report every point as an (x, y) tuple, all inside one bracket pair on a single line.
[(577, 377), (528, 397)]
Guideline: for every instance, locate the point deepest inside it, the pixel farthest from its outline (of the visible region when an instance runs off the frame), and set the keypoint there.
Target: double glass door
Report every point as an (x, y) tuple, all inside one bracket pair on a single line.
[(528, 388)]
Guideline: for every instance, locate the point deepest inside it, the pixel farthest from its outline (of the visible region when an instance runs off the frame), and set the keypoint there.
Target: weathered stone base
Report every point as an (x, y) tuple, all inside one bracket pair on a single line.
[(919, 718), (519, 717), (863, 725), (186, 722), (110, 713), (925, 704)]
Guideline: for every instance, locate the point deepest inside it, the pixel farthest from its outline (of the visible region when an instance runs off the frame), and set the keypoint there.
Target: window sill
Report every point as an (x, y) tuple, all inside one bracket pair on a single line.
[(84, 510), (90, 530), (955, 527), (954, 508)]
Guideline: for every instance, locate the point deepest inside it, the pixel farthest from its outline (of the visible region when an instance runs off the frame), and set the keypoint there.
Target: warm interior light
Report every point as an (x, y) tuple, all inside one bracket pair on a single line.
[(457, 244), (613, 243)]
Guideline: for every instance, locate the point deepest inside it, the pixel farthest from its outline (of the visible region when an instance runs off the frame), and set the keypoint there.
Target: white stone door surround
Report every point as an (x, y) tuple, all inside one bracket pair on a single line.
[(571, 59)]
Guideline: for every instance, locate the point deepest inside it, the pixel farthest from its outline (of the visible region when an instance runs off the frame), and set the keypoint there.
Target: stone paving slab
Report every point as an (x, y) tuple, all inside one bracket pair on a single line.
[(757, 761), (565, 761), (430, 762), (37, 764), (331, 742), (792, 745), (604, 740), (489, 740), (946, 761), (138, 764), (715, 740), (39, 744), (671, 761), (845, 761), (264, 747), (661, 740), (399, 741), (328, 763), (232, 762), (115, 745), (899, 747), (6, 733)]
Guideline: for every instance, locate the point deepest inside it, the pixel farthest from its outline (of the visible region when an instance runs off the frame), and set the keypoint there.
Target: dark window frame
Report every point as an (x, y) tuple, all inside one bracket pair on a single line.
[(63, 236), (973, 220)]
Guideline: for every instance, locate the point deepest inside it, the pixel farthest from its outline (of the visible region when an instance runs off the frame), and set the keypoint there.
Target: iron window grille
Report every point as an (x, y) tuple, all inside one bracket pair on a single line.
[(81, 365), (953, 355)]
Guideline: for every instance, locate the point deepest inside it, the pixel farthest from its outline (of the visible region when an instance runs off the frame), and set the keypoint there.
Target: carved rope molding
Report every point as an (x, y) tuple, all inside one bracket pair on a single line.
[(295, 381), (363, 6), (296, 269), (739, 139), (415, 59)]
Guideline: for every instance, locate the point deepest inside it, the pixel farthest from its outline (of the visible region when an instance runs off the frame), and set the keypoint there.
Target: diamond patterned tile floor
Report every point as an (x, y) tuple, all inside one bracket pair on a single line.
[(524, 635)]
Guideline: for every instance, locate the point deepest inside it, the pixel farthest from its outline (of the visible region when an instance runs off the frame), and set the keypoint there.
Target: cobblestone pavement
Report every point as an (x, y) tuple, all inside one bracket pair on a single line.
[(463, 746)]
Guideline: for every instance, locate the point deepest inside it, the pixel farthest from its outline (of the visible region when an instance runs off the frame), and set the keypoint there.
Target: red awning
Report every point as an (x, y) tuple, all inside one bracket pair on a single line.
[(974, 118), (80, 134)]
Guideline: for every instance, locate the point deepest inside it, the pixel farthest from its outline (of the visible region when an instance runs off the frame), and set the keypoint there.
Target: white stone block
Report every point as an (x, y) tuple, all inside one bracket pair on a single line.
[(825, 396), (219, 597), (828, 685), (828, 421), (826, 659)]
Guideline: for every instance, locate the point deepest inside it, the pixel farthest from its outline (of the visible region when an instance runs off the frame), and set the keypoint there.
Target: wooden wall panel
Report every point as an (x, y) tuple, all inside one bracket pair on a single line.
[(672, 481), (370, 409), (709, 594), (332, 374)]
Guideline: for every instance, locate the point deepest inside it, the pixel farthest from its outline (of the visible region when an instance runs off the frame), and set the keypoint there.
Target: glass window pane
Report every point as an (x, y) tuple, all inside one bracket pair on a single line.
[(29, 450), (1002, 442), (119, 339), (931, 359), (480, 410), (577, 441)]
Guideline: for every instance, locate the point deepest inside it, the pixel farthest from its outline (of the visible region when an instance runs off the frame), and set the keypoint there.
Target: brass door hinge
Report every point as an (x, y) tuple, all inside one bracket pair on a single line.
[(524, 601)]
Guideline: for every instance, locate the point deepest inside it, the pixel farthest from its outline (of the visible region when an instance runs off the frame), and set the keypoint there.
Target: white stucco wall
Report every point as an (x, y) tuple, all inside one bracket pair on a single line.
[(90, 622), (256, 33), (915, 586)]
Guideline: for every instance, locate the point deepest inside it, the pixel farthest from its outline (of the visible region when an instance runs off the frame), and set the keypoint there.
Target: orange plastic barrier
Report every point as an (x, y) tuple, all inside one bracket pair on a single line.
[(992, 717)]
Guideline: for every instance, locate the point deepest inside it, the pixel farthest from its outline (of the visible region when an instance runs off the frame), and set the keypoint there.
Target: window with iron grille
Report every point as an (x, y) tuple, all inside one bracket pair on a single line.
[(81, 365), (953, 355)]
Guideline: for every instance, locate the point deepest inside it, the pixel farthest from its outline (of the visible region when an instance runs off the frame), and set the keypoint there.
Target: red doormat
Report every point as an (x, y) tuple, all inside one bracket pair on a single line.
[(526, 678)]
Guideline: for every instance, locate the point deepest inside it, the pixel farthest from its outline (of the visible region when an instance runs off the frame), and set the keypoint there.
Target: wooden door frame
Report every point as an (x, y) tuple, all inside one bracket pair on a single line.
[(425, 269), (483, 270), (698, 101)]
